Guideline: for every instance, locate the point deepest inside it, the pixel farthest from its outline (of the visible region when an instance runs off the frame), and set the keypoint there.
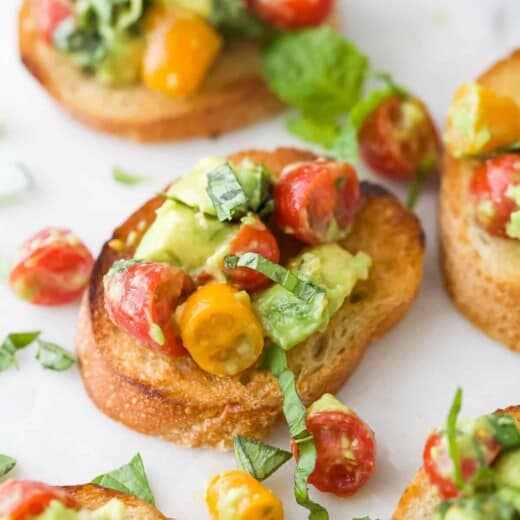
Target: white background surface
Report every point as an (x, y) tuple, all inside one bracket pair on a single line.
[(407, 379)]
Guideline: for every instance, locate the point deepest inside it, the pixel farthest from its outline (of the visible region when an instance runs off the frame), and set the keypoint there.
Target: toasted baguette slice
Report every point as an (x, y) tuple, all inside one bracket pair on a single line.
[(420, 499), (234, 93), (481, 271), (176, 400), (91, 496)]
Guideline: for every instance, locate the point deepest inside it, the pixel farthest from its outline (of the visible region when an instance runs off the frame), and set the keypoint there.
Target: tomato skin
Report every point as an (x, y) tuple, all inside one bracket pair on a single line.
[(310, 197), (48, 14), (141, 297), (396, 145), (252, 238), (334, 471), (23, 499), (52, 267), (292, 14), (489, 185)]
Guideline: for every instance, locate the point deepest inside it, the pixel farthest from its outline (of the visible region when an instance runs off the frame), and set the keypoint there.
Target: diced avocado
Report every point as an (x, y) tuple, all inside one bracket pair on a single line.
[(327, 402), (288, 320), (183, 237), (507, 469), (513, 226), (255, 180), (478, 507), (112, 510), (203, 8)]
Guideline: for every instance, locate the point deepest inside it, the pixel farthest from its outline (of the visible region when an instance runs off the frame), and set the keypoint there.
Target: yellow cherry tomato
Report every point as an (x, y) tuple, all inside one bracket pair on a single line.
[(220, 330), (480, 121), (180, 48), (236, 495)]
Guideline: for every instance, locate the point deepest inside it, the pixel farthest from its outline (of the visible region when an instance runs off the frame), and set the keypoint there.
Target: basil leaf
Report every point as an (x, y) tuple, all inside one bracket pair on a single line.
[(127, 178), (345, 146), (363, 108), (313, 131), (12, 343), (388, 80), (54, 357), (293, 409), (226, 193), (451, 433), (233, 18), (505, 430), (14, 180), (274, 362), (258, 459), (420, 176), (130, 478), (279, 274), (6, 464)]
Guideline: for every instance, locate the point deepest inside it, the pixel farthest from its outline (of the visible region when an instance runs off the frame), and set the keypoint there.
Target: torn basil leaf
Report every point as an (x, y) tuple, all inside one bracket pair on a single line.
[(124, 177), (12, 343), (6, 464), (226, 193), (505, 430), (277, 273), (451, 434), (54, 357), (130, 478), (258, 459)]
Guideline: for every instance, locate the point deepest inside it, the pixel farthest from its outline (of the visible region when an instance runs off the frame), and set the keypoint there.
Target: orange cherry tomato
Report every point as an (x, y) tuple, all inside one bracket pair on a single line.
[(237, 495), (220, 330), (180, 49), (51, 268)]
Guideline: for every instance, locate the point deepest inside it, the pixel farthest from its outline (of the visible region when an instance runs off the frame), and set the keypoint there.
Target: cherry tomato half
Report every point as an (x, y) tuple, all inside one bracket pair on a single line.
[(489, 188), (292, 14), (51, 268), (316, 201), (346, 452), (24, 499), (398, 138), (140, 299), (252, 238), (48, 14), (438, 465)]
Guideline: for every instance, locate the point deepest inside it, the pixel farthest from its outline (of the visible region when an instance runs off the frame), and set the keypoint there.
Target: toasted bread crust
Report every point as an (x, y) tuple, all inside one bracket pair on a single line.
[(420, 499), (91, 496), (480, 270), (176, 400)]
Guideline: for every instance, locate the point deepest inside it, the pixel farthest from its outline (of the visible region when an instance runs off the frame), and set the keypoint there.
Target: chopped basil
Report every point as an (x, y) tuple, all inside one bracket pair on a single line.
[(14, 180), (54, 357), (12, 343), (6, 464), (451, 434), (505, 430), (295, 414), (226, 193), (258, 459), (418, 180), (387, 79), (130, 478), (279, 274), (127, 178)]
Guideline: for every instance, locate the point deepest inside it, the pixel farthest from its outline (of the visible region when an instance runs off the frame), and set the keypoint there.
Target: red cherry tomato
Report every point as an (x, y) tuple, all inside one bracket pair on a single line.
[(48, 14), (489, 186), (316, 201), (292, 14), (399, 137), (51, 268), (252, 238), (24, 499), (438, 465), (346, 452), (140, 299)]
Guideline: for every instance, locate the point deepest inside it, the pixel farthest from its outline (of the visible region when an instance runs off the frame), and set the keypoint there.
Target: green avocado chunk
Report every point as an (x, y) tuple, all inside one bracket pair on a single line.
[(507, 469), (288, 320), (185, 238), (112, 510), (479, 507)]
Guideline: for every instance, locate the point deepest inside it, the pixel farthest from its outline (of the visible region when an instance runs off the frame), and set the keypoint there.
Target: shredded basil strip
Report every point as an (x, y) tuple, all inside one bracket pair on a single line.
[(257, 458), (54, 357), (12, 343), (124, 177), (505, 430), (6, 464), (451, 433), (418, 180), (279, 274), (130, 478), (226, 193), (295, 414)]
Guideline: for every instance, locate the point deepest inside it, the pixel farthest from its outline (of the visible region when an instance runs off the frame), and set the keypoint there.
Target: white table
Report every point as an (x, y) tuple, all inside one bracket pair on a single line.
[(407, 379)]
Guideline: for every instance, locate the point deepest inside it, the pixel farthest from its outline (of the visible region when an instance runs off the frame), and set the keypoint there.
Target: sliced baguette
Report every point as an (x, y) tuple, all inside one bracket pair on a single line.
[(481, 271), (420, 499), (91, 496), (174, 399)]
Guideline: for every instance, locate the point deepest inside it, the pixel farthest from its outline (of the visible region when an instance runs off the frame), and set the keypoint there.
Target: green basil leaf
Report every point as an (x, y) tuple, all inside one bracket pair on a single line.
[(293, 408), (274, 361), (313, 131), (364, 107), (15, 179), (258, 459), (451, 433), (12, 343), (130, 478), (345, 146), (54, 357), (233, 18), (127, 178), (428, 165), (226, 193), (279, 274), (6, 464), (505, 430), (388, 80)]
